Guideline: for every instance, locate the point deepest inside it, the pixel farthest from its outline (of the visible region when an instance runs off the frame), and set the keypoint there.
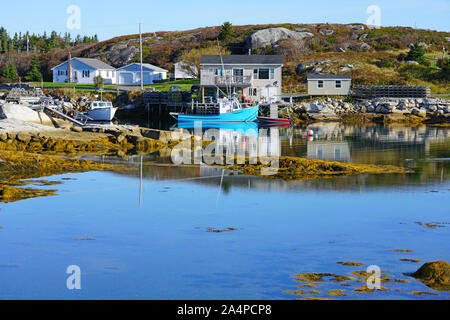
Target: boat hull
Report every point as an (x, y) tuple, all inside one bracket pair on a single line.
[(102, 114), (265, 120), (242, 115)]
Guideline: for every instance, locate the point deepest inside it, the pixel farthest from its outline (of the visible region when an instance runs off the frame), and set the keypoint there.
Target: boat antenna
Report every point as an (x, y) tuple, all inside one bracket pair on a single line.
[(223, 67)]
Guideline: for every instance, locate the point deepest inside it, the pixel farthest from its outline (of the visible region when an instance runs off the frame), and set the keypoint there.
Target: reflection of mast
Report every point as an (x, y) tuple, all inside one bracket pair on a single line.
[(220, 188), (140, 186)]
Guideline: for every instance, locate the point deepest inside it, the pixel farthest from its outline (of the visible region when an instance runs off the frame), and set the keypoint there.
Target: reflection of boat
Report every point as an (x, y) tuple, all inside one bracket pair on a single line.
[(229, 110), (101, 111), (274, 121), (235, 126)]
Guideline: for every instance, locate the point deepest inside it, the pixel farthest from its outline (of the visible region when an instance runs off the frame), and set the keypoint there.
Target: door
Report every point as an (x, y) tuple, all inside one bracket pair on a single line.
[(238, 75), (126, 78), (269, 94)]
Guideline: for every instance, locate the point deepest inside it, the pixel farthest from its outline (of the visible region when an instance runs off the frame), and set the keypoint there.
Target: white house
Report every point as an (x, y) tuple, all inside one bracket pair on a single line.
[(84, 70), (182, 73), (259, 77), (131, 74)]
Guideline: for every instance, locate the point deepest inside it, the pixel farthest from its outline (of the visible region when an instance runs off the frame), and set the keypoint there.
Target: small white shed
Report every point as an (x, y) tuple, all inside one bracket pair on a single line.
[(130, 75), (181, 71)]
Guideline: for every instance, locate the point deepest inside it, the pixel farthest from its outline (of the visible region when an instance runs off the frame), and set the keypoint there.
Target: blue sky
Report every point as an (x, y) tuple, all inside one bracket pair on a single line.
[(113, 18)]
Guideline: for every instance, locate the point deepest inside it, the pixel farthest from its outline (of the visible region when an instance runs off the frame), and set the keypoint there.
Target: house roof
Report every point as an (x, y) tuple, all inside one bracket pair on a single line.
[(242, 59), (323, 76), (145, 65), (94, 63)]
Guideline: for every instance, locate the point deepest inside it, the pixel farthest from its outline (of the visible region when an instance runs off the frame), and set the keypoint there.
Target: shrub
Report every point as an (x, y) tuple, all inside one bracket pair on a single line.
[(386, 63)]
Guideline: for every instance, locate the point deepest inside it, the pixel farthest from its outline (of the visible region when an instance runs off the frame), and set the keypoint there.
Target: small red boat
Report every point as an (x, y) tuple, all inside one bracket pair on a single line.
[(274, 121)]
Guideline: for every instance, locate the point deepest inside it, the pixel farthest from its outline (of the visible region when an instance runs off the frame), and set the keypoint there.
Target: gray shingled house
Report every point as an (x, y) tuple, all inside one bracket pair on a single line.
[(329, 84), (257, 76)]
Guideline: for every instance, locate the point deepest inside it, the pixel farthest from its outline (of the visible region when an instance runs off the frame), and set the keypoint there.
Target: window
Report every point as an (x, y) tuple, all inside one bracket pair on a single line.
[(86, 74), (337, 154), (320, 84), (338, 84), (253, 92), (319, 152), (264, 74)]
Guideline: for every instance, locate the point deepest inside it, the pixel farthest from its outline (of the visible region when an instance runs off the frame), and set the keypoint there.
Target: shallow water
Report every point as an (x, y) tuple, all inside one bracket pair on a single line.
[(150, 240)]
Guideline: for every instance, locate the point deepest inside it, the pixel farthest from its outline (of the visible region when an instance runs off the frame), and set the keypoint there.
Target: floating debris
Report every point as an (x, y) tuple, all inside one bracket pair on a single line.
[(338, 293), (83, 239), (401, 250), (213, 230), (431, 225), (354, 264), (411, 260), (421, 293)]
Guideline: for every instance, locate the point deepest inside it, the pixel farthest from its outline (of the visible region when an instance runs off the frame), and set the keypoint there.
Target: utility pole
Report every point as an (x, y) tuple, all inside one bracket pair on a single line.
[(140, 45), (69, 67)]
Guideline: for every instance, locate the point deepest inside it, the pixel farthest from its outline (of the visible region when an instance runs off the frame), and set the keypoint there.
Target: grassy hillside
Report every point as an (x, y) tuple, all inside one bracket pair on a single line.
[(376, 55)]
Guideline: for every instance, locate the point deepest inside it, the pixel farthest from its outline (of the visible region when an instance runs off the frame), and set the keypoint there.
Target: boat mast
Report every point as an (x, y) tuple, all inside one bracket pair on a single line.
[(223, 68)]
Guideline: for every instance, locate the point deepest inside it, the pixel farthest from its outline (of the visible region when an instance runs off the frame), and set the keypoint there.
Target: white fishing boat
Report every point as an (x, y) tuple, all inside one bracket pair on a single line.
[(101, 111)]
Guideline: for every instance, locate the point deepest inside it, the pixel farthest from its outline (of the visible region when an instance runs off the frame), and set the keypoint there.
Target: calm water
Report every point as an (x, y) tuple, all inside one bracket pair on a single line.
[(150, 240)]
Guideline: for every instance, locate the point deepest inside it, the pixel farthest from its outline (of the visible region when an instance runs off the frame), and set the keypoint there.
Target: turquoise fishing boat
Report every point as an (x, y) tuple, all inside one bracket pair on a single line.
[(229, 110)]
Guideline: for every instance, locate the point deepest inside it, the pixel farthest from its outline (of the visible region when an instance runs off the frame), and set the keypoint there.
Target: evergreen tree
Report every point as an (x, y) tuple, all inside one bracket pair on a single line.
[(6, 73), (34, 73), (416, 54), (10, 72), (13, 76), (226, 31)]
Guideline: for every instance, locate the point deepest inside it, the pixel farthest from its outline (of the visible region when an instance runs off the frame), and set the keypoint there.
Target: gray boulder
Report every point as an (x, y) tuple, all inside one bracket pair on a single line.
[(356, 26), (262, 38), (326, 32), (365, 47), (121, 54)]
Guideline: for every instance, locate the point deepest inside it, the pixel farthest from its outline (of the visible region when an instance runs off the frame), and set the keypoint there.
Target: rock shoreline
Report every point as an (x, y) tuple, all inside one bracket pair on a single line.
[(384, 109)]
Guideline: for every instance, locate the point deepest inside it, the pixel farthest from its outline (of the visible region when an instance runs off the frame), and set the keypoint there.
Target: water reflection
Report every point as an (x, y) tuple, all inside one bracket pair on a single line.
[(426, 149)]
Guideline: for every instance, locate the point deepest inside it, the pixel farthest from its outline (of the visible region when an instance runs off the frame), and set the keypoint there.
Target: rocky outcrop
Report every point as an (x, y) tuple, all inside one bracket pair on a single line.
[(119, 54), (14, 111), (332, 108), (435, 274), (326, 32), (262, 38)]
